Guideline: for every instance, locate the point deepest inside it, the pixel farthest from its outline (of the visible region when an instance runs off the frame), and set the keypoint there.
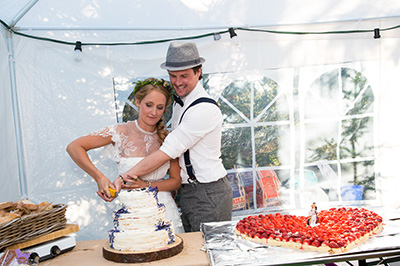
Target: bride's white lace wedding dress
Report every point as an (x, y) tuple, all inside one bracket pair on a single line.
[(132, 144)]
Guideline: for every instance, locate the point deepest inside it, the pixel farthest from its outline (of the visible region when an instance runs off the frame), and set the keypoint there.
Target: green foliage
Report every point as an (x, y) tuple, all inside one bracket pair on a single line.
[(246, 105)]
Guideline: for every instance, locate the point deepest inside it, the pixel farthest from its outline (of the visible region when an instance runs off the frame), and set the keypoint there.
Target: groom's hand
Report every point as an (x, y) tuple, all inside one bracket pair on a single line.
[(130, 178), (133, 182)]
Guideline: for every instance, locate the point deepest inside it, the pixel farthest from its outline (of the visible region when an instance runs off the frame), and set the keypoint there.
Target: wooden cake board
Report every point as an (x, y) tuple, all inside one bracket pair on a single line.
[(68, 229), (143, 256)]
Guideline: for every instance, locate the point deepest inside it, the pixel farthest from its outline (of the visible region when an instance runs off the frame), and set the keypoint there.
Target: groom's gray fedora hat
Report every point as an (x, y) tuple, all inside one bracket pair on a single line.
[(181, 56)]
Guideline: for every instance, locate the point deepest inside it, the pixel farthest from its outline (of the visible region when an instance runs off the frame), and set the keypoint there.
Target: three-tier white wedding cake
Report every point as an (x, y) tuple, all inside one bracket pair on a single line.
[(140, 223)]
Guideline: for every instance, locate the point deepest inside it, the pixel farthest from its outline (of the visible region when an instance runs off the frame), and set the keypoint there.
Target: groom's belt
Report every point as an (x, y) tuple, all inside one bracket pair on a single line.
[(205, 184)]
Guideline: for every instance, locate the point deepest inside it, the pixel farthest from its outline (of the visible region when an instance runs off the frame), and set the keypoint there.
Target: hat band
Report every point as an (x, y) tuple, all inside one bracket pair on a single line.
[(182, 64)]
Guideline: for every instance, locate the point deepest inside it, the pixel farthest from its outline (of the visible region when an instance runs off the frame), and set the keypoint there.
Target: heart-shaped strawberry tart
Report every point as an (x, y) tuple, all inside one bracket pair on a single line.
[(338, 229)]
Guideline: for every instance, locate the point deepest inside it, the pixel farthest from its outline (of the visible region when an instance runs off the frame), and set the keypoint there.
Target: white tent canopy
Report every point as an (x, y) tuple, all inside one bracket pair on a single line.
[(48, 98)]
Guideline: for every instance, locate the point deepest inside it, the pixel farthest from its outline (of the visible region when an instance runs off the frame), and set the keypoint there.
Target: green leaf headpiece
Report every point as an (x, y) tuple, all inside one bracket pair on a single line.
[(155, 82)]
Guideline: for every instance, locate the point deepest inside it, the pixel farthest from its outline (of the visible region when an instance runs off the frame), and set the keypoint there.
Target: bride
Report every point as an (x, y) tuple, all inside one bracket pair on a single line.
[(130, 142)]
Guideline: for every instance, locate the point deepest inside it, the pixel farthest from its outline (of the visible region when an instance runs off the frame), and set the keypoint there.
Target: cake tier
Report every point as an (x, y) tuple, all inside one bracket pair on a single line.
[(139, 199), (138, 219), (137, 240)]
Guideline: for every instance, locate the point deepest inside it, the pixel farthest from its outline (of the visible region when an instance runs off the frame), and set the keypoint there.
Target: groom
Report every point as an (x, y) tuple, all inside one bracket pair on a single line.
[(206, 195)]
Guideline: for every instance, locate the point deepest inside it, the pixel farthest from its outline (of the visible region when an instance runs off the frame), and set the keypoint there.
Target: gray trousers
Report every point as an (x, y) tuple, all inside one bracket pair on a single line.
[(205, 202)]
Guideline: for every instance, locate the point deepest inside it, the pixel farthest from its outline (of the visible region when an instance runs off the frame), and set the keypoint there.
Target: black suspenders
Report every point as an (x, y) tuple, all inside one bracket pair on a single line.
[(188, 164)]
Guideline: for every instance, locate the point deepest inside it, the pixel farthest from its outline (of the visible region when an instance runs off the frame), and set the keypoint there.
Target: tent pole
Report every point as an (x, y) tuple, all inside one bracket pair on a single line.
[(23, 182), (22, 12), (181, 28)]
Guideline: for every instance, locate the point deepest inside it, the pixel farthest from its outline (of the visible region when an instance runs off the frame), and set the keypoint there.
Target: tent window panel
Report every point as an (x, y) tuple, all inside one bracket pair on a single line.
[(358, 180), (272, 145), (321, 141), (323, 97), (357, 138), (270, 104), (307, 188), (326, 179), (343, 114), (284, 177), (275, 107), (129, 113), (279, 111), (267, 189), (236, 99), (241, 181), (236, 147), (333, 127), (358, 97), (364, 104), (230, 115)]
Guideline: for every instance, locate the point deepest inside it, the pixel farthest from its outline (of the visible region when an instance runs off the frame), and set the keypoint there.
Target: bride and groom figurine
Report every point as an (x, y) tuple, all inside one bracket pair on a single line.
[(313, 219)]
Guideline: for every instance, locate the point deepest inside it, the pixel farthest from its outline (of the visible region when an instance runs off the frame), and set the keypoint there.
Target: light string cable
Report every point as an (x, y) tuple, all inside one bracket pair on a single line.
[(108, 44), (200, 36), (318, 32)]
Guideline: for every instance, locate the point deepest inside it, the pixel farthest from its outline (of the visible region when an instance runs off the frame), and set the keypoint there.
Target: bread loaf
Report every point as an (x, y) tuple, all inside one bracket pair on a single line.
[(10, 210)]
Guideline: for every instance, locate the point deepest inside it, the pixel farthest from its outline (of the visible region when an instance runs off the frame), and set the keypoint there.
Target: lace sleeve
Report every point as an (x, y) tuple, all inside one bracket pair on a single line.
[(111, 150), (128, 141)]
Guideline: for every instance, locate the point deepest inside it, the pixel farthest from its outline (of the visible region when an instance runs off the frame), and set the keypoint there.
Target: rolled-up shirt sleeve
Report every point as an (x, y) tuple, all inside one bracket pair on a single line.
[(198, 121), (172, 146)]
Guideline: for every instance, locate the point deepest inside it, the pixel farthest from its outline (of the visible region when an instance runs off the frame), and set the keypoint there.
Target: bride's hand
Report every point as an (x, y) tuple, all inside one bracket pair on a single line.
[(118, 183), (103, 185)]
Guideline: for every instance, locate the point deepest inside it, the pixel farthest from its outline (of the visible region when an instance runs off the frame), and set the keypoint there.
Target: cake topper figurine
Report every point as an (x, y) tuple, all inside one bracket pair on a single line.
[(313, 219)]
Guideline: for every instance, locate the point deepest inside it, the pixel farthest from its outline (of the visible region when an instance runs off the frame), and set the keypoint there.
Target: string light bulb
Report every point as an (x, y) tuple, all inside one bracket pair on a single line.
[(233, 36), (232, 33), (78, 51), (377, 34)]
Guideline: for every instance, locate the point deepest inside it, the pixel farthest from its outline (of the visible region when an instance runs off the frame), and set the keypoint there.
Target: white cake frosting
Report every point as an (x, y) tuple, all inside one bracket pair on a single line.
[(140, 224)]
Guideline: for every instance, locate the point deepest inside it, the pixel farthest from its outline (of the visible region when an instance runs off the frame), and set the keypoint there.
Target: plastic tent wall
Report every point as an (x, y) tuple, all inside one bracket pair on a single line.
[(48, 99)]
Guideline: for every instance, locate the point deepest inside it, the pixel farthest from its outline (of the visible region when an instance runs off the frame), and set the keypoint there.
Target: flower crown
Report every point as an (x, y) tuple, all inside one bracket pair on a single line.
[(155, 82)]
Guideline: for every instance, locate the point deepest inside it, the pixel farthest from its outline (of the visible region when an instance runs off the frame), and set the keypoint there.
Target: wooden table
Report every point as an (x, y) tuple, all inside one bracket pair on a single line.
[(91, 253)]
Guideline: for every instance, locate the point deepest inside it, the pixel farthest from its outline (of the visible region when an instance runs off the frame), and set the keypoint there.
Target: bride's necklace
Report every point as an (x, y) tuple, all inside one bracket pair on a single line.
[(144, 131)]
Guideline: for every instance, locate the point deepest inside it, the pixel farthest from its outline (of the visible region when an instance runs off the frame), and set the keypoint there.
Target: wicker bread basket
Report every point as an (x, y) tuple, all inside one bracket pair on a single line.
[(32, 226)]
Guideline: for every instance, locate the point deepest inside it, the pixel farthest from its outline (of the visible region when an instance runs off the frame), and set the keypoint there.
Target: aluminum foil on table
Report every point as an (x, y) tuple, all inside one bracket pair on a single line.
[(225, 248)]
